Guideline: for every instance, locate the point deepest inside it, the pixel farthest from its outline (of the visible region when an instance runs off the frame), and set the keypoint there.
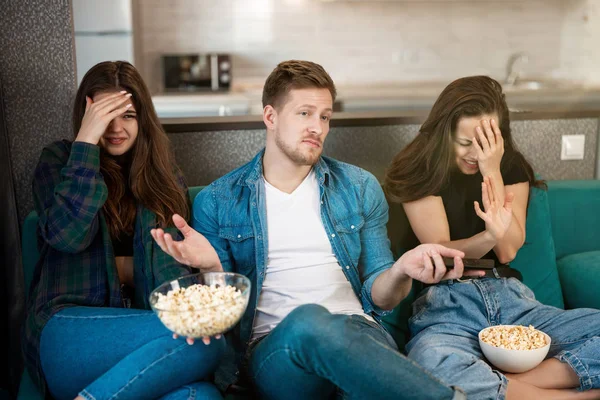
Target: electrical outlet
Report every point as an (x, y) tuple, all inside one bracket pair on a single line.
[(573, 147)]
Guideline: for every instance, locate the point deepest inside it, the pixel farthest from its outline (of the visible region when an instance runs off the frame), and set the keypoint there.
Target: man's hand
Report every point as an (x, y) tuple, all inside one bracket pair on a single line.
[(424, 263), (194, 250)]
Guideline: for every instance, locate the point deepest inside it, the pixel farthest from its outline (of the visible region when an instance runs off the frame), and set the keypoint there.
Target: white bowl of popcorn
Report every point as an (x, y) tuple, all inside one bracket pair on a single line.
[(514, 348), (204, 304)]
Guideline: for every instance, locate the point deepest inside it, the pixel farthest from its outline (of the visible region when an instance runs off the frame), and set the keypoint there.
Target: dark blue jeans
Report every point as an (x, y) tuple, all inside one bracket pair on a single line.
[(312, 354), (116, 353)]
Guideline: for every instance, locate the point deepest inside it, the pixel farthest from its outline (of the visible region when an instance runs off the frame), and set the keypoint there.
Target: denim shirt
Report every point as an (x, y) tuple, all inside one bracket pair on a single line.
[(231, 213)]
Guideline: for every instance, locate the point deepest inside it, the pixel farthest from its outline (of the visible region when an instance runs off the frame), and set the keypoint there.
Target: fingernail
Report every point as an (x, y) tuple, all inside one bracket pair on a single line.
[(128, 95), (123, 91), (128, 105)]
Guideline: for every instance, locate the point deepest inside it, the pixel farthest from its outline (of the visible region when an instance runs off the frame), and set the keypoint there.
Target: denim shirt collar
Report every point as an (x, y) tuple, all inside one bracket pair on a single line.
[(254, 171)]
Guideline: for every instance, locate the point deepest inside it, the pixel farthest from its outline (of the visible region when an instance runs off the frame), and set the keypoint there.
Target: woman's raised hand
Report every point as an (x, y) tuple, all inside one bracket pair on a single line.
[(497, 214), (489, 146), (98, 116)]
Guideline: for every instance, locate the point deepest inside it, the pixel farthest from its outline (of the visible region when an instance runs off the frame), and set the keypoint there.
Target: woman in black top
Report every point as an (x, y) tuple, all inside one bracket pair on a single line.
[(462, 183)]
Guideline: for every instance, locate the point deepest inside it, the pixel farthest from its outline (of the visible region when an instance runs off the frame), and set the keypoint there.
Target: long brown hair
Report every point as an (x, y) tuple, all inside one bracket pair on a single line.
[(423, 167), (152, 178)]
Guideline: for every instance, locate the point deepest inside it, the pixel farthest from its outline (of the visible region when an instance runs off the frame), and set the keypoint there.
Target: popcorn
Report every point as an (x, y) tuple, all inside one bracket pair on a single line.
[(514, 338), (200, 310)]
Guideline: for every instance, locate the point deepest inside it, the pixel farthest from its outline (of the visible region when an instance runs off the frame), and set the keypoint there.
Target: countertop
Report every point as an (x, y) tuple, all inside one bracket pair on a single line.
[(374, 105), (365, 118)]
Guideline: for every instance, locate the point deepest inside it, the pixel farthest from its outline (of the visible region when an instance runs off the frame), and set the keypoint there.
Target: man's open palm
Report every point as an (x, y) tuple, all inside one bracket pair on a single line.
[(194, 250)]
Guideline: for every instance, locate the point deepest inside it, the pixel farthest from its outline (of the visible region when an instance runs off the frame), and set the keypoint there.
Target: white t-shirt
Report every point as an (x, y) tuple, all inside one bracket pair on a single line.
[(301, 266)]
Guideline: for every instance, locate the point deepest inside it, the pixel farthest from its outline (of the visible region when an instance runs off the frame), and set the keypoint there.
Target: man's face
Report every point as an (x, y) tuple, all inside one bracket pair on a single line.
[(301, 125), (121, 133)]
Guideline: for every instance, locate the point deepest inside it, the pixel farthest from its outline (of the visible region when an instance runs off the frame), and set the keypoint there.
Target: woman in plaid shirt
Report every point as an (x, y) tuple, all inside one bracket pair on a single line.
[(89, 331)]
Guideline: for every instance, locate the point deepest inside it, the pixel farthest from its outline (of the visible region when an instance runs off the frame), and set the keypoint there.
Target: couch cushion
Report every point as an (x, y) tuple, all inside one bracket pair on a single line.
[(580, 279), (537, 259), (575, 207), (193, 191), (27, 389)]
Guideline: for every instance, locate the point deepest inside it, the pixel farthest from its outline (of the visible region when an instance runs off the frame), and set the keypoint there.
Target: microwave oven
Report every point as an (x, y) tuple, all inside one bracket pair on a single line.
[(196, 72)]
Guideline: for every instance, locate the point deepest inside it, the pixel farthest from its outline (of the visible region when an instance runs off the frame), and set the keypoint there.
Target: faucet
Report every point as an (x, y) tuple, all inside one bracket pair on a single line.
[(515, 66)]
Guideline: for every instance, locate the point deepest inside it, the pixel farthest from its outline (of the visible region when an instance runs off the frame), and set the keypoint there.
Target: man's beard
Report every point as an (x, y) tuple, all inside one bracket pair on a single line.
[(295, 154)]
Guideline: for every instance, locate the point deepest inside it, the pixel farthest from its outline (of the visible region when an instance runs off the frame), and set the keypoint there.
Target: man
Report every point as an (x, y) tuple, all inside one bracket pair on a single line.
[(310, 233)]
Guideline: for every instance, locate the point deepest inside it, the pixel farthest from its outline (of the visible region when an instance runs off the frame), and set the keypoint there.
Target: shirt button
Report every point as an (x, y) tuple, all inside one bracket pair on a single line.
[(352, 227), (321, 201), (347, 267), (258, 237), (333, 235), (239, 236)]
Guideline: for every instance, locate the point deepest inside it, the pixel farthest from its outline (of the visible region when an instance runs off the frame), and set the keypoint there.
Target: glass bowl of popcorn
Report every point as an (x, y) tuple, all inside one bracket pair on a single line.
[(514, 348), (203, 304)]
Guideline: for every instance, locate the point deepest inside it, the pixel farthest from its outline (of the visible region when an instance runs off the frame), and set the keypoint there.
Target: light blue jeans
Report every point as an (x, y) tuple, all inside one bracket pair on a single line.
[(119, 353), (312, 354), (447, 319)]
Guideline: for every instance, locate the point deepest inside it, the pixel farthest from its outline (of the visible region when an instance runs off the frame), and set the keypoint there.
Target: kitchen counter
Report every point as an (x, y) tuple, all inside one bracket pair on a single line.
[(373, 118), (374, 105)]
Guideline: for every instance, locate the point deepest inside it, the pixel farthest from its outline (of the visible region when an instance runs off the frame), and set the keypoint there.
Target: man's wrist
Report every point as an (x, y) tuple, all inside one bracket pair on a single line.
[(397, 271)]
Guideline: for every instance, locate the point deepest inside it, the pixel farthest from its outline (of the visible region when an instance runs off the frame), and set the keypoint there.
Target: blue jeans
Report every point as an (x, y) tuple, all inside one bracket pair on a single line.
[(312, 354), (119, 353), (447, 319)]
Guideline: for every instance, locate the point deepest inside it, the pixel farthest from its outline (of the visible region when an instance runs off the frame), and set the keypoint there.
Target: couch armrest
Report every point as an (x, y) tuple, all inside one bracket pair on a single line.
[(575, 216), (580, 279)]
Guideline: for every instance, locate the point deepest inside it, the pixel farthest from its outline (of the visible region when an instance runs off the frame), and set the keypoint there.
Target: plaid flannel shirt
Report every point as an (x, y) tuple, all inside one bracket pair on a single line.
[(77, 265)]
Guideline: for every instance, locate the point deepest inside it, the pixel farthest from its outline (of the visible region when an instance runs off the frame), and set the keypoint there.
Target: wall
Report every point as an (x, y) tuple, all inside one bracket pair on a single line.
[(37, 80), (367, 41), (206, 156), (580, 34), (37, 74), (580, 38)]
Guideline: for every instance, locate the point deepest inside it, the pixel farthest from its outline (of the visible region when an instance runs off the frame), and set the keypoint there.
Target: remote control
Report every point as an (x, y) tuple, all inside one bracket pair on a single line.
[(472, 263)]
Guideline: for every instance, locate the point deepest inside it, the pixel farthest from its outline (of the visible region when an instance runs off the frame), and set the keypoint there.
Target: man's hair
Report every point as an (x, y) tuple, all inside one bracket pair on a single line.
[(295, 74)]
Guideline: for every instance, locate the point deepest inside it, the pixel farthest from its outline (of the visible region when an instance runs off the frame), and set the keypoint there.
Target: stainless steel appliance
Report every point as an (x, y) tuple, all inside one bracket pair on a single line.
[(196, 72), (103, 32)]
